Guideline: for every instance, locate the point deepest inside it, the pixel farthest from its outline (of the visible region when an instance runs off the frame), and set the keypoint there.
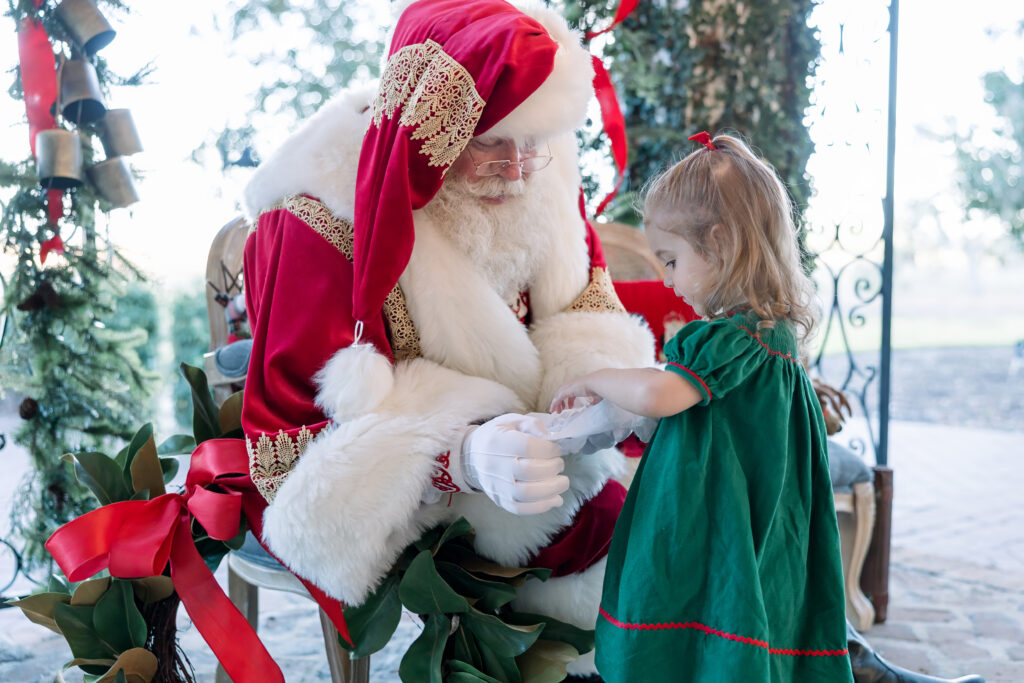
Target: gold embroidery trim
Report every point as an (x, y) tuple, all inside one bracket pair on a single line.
[(272, 460), (437, 97), (599, 295)]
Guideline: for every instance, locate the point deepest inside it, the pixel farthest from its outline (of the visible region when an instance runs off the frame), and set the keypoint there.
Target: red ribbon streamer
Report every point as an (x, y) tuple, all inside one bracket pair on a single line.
[(138, 538), (624, 9), (614, 125), (54, 244), (39, 84)]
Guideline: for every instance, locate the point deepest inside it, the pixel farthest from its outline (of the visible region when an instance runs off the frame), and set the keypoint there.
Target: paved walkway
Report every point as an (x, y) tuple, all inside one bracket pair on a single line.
[(956, 577)]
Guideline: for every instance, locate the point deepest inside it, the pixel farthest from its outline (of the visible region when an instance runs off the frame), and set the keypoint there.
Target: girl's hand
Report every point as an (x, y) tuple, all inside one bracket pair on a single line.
[(566, 396)]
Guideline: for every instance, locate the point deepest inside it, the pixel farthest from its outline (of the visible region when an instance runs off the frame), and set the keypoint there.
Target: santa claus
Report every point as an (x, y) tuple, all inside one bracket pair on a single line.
[(411, 284), (418, 269)]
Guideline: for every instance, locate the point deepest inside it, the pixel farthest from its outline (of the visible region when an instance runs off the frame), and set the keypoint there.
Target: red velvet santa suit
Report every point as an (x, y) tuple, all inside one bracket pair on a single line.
[(343, 438)]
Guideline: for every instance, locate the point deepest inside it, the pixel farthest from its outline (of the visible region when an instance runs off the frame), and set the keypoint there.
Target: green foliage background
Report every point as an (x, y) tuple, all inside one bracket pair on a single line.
[(65, 347)]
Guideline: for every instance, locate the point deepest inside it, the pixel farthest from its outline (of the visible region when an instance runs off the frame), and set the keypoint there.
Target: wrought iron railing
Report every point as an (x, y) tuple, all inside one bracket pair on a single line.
[(853, 255)]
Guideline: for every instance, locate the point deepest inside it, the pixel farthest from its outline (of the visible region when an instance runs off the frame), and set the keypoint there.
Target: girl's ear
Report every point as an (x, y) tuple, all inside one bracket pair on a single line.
[(717, 242)]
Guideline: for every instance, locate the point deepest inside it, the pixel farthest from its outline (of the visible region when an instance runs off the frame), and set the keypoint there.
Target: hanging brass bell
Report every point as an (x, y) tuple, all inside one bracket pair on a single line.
[(81, 100), (58, 159), (86, 24), (118, 134), (113, 180)]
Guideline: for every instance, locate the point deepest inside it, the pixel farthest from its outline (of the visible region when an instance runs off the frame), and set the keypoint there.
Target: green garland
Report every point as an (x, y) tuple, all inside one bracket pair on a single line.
[(82, 379), (680, 68)]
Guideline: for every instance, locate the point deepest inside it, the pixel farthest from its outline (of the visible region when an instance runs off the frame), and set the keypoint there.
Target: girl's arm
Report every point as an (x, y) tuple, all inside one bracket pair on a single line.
[(644, 391)]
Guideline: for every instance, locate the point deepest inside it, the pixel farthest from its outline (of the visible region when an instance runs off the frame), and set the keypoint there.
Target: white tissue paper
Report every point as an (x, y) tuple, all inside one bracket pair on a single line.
[(587, 427)]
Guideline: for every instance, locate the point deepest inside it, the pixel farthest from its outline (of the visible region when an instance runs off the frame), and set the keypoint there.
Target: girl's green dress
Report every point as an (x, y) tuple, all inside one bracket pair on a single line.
[(725, 562)]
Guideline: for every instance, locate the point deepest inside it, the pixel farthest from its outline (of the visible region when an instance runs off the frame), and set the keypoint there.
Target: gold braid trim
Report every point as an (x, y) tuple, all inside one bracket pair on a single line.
[(437, 97), (271, 461), (599, 295)]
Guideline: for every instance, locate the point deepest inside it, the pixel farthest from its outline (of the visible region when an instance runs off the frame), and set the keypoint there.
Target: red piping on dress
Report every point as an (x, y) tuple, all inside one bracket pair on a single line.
[(722, 634)]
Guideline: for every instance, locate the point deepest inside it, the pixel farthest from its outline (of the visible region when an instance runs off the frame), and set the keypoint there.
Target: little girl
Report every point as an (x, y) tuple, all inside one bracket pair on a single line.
[(725, 562)]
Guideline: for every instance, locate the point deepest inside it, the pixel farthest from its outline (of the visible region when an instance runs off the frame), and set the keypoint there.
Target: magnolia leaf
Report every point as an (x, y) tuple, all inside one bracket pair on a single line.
[(507, 640), (89, 592), (500, 666), (545, 661), (89, 663), (38, 608), (423, 590), (76, 624), (101, 475), (470, 561), (137, 665), (153, 589), (144, 434), (582, 640), (177, 444), (57, 584), (429, 538), (422, 661), (464, 647), (205, 423), (371, 624), (169, 468), (146, 470), (490, 595), (459, 527), (461, 672), (229, 417), (118, 620)]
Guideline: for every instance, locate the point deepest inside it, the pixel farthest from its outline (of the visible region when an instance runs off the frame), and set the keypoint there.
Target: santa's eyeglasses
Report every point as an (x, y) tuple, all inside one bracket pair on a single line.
[(527, 165)]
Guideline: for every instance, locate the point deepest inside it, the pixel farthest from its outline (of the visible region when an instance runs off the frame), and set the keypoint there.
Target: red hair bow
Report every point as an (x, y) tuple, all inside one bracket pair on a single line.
[(704, 139)]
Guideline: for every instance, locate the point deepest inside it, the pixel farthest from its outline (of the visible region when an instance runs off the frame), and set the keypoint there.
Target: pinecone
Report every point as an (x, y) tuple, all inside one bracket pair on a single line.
[(28, 408)]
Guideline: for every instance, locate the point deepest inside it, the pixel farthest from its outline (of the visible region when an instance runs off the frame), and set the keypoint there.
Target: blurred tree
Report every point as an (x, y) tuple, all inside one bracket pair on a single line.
[(991, 162), (190, 339), (309, 50)]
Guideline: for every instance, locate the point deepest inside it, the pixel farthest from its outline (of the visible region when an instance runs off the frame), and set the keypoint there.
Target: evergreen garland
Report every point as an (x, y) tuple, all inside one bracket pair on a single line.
[(83, 382), (683, 67)]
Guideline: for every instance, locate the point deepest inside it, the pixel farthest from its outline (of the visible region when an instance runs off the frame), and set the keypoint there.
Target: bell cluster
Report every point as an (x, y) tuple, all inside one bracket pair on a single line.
[(59, 158)]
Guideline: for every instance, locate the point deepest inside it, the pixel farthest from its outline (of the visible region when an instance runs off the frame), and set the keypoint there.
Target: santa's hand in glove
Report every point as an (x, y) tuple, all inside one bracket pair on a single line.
[(519, 472)]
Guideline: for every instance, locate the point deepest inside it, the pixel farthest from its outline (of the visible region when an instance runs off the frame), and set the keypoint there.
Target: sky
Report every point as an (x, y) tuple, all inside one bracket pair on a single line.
[(198, 88)]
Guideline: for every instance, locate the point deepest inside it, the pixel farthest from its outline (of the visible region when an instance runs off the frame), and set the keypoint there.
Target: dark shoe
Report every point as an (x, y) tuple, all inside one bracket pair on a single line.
[(870, 667)]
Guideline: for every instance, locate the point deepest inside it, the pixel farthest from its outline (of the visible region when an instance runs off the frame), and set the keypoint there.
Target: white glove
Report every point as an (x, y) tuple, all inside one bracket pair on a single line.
[(519, 472), (588, 428)]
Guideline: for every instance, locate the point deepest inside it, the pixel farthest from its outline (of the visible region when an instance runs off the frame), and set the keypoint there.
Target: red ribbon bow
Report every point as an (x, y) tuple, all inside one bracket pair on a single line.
[(703, 138), (138, 538)]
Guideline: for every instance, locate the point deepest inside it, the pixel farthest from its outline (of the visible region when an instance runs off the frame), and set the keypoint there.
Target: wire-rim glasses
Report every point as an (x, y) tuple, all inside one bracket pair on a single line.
[(527, 165)]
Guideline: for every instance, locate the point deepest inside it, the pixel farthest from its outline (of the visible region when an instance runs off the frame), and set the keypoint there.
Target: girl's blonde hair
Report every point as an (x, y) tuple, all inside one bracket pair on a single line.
[(735, 213)]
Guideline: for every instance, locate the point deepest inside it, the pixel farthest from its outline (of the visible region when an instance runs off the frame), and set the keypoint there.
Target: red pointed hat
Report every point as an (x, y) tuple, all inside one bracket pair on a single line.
[(455, 69)]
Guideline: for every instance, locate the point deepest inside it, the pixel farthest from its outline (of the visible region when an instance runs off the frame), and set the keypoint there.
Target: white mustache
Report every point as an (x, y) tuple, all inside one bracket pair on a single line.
[(492, 186)]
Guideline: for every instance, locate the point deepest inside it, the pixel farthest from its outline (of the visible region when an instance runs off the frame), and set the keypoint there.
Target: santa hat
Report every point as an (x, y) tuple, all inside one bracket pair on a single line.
[(456, 69)]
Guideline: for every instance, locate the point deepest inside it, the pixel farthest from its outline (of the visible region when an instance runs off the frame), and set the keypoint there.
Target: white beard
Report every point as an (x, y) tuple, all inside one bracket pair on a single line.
[(504, 240)]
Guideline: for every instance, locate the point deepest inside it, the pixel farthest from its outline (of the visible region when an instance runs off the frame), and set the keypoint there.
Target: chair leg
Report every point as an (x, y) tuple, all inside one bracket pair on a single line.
[(246, 598), (343, 668), (864, 514)]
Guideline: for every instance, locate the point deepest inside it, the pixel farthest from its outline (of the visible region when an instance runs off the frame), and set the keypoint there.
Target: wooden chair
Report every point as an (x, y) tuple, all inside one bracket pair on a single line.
[(630, 259), (251, 568)]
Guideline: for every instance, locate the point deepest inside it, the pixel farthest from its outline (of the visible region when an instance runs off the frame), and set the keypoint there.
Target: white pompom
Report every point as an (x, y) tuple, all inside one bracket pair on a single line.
[(354, 381)]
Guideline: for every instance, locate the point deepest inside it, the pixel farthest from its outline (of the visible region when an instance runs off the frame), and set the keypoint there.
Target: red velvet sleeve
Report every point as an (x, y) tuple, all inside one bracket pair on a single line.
[(298, 294)]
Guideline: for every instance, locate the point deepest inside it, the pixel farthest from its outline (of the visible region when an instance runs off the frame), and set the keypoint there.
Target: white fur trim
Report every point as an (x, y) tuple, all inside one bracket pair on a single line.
[(560, 103), (575, 343), (573, 599), (320, 158), (353, 501), (355, 380)]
